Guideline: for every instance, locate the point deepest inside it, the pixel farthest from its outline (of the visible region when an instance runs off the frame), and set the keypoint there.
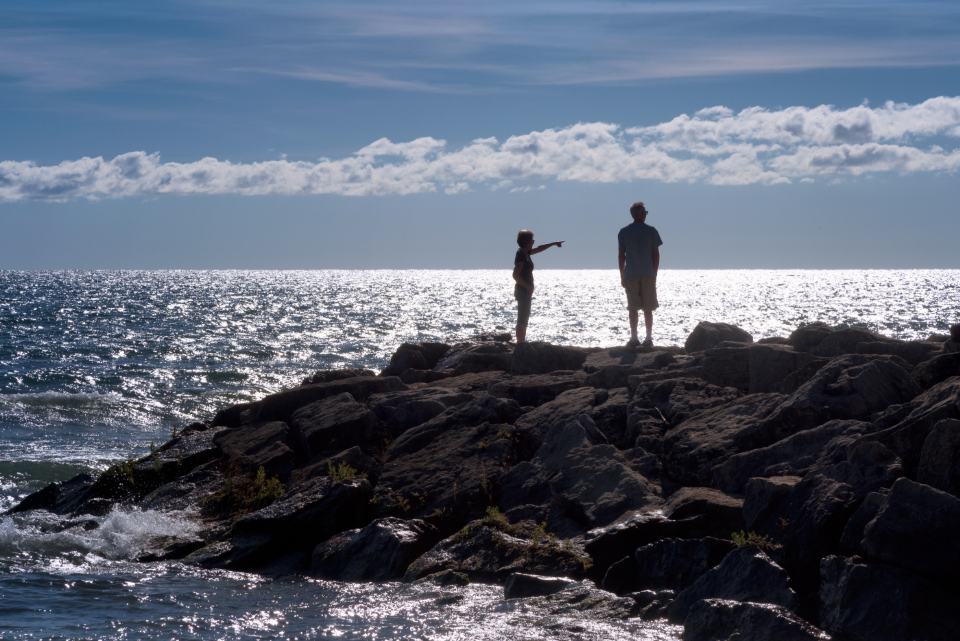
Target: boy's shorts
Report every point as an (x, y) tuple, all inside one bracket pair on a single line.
[(642, 294)]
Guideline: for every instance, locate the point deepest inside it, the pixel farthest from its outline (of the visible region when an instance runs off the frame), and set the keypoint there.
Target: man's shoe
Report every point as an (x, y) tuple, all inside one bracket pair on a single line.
[(633, 342), (648, 343)]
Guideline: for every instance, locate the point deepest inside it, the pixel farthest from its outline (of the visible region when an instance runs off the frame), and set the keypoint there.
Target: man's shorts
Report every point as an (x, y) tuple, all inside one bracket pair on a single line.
[(642, 294), (524, 299)]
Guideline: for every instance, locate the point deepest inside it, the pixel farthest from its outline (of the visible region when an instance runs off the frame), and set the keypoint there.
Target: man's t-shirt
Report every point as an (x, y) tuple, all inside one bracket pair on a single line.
[(638, 240), (526, 272)]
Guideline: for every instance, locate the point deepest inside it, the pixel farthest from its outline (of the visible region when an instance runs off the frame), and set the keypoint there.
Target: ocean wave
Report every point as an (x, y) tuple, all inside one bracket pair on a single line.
[(65, 400)]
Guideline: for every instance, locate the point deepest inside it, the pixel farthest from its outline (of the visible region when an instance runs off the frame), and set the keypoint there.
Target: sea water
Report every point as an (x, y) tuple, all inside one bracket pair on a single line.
[(94, 366)]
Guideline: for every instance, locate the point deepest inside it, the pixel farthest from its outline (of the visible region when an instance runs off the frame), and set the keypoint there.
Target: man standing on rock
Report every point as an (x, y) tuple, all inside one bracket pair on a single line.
[(639, 260)]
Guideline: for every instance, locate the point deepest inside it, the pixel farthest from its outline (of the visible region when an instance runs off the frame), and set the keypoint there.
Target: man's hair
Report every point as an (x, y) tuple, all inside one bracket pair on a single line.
[(637, 209), (524, 236)]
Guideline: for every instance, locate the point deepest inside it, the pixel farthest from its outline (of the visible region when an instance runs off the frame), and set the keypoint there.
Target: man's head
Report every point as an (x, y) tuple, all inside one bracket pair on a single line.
[(639, 211)]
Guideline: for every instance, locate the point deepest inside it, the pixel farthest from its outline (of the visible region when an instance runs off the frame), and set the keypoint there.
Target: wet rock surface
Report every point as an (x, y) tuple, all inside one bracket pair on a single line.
[(831, 455)]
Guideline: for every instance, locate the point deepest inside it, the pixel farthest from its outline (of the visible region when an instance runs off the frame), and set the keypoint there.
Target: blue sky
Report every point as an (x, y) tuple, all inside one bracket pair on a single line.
[(301, 135)]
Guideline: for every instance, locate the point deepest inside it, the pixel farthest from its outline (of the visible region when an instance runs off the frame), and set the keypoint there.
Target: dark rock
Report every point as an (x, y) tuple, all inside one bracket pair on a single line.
[(852, 538), (769, 365), (402, 410), (810, 521), (706, 335), (728, 366), (940, 457), (746, 574), (916, 529), (621, 538), (172, 548), (610, 417), (485, 409), (691, 450), (612, 376), (645, 428), (534, 425), (473, 357), (774, 340), (252, 446), (849, 387), (230, 416), (187, 491), (809, 336), (583, 600), (297, 521), (536, 389), (955, 333), (446, 578), (720, 620), (381, 551), (335, 423), (485, 554), (795, 455), (866, 601), (354, 457), (282, 405), (628, 358), (936, 370), (62, 497), (411, 376), (845, 341), (457, 474), (535, 357), (676, 564), (680, 398), (471, 383), (418, 356), (176, 458), (914, 421), (521, 586), (913, 352), (762, 497), (723, 513), (573, 467), (329, 375)]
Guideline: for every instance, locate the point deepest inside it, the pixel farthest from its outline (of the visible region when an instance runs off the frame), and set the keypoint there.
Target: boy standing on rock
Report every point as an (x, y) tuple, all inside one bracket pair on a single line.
[(639, 260)]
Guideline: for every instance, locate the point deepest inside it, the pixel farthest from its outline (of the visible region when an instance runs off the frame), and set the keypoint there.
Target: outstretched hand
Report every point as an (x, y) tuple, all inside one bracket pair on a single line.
[(560, 243)]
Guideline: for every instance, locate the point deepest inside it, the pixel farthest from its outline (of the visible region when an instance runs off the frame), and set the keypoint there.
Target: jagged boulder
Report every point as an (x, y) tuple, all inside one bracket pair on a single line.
[(521, 586), (746, 574), (722, 512), (795, 455), (536, 389), (865, 601), (913, 352), (297, 521), (187, 491), (936, 370), (916, 529), (535, 357), (680, 398), (418, 356), (61, 497), (808, 336), (353, 457), (940, 457), (845, 341), (851, 542), (770, 365), (475, 357), (692, 449), (656, 359), (706, 335), (486, 554), (533, 426), (486, 409), (335, 423), (720, 620), (912, 422), (574, 467), (282, 405), (676, 564), (762, 496), (727, 365), (400, 411), (381, 551), (475, 383), (252, 446), (849, 387), (329, 375)]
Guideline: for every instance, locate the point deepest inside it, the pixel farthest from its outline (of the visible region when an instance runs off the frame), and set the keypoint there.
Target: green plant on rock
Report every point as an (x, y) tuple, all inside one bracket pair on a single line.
[(117, 480), (157, 463), (743, 539), (343, 472), (244, 493)]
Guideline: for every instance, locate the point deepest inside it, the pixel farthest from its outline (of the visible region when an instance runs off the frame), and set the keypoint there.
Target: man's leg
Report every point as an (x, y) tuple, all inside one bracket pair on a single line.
[(634, 320), (648, 323)]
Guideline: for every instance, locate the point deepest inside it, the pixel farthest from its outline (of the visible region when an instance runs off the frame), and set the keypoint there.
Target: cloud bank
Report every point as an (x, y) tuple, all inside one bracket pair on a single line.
[(714, 146)]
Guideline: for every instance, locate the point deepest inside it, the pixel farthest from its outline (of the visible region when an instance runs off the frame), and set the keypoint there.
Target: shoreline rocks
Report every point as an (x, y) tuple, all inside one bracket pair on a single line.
[(793, 487)]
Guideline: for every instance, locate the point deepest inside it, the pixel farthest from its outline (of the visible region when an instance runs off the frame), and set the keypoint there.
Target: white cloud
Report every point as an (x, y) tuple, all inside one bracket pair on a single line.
[(715, 145)]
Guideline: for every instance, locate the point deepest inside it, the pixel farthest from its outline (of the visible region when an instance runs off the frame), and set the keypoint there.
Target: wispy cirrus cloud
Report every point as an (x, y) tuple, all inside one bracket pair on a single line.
[(714, 145)]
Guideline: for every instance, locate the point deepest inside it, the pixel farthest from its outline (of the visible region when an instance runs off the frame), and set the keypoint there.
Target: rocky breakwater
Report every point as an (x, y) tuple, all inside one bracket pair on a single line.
[(792, 488)]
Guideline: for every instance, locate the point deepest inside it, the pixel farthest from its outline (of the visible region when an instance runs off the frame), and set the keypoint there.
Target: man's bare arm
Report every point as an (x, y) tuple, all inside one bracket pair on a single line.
[(622, 261), (656, 261)]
